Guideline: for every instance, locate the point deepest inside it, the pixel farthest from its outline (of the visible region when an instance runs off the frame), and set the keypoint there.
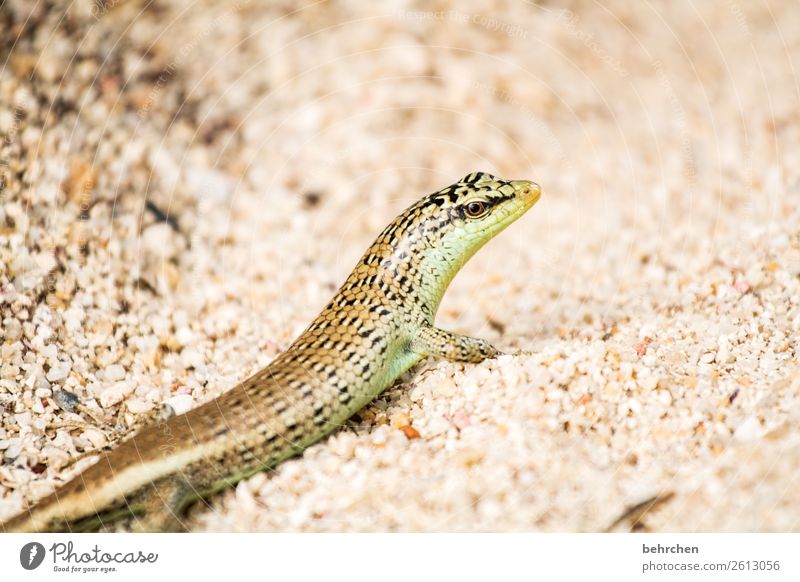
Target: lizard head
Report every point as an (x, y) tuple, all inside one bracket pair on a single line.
[(460, 219), (453, 223), (480, 205), (438, 234)]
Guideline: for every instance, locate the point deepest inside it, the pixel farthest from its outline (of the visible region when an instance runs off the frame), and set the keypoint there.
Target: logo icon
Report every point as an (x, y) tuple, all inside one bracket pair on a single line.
[(31, 555)]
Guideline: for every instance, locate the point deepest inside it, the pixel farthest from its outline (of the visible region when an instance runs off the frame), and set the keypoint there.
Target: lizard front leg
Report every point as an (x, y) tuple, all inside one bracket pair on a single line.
[(433, 341)]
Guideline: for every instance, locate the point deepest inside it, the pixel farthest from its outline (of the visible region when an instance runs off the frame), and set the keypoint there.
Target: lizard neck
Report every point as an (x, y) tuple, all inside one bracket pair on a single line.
[(415, 266)]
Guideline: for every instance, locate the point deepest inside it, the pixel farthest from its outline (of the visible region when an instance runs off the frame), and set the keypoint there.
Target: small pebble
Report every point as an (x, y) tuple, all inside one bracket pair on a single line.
[(57, 373), (115, 393), (114, 373), (181, 403)]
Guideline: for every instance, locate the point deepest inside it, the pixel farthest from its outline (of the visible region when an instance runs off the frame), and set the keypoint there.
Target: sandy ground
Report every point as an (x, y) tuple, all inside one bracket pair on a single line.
[(654, 291)]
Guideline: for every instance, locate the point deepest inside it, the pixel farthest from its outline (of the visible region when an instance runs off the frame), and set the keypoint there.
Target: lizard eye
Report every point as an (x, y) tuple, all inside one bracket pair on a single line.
[(475, 209)]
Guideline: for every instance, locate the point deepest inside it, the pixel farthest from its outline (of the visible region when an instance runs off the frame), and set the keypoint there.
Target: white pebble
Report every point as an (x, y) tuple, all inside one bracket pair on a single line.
[(114, 373), (138, 406), (14, 449), (749, 430), (650, 382), (56, 457), (649, 360), (160, 240), (191, 358), (380, 435), (13, 329), (50, 352), (95, 437), (45, 332), (626, 370), (73, 318), (180, 403), (209, 183), (724, 353), (58, 373), (184, 336), (115, 394)]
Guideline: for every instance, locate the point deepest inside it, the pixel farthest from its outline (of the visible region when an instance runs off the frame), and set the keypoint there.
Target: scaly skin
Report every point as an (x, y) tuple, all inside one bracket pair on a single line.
[(378, 325)]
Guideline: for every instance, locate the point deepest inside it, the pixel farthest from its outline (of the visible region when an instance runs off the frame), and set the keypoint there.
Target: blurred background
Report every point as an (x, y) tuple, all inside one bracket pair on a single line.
[(184, 186)]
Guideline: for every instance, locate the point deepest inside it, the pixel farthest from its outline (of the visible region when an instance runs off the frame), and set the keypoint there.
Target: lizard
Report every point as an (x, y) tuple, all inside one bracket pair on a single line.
[(377, 326)]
